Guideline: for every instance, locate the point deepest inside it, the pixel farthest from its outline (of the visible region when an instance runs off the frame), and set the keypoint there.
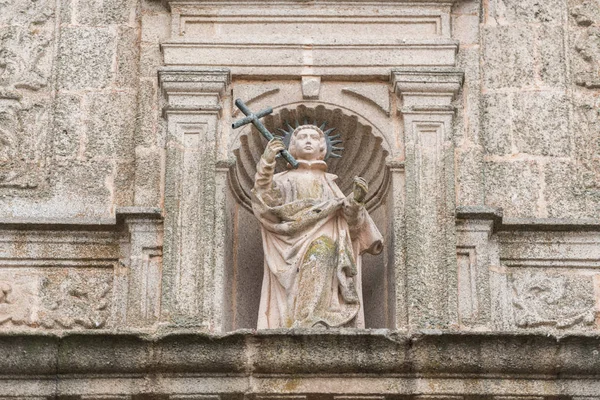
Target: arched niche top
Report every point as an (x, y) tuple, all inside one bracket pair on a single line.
[(364, 153)]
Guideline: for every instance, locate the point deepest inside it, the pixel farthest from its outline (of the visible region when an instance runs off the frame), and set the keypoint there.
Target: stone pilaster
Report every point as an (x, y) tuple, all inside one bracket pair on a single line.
[(194, 205), (427, 114), (476, 253), (141, 251)]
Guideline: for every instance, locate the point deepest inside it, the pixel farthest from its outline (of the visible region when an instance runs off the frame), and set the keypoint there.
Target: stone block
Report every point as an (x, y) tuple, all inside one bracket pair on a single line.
[(111, 124), (497, 123), (550, 44), (124, 179), (468, 60), (465, 28), (127, 57), (586, 135), (153, 6), (541, 123), (66, 12), (466, 7), (85, 182), (514, 186), (527, 11), (85, 59), (506, 64), (469, 175), (150, 59), (28, 355), (148, 172), (67, 125), (148, 113), (156, 27), (565, 192), (105, 12)]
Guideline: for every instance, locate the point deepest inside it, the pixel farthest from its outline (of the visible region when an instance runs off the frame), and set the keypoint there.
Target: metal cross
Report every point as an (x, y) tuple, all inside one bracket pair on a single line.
[(255, 120)]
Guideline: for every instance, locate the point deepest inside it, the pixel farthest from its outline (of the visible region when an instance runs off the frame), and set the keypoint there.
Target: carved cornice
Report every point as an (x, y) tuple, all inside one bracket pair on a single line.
[(426, 90), (384, 362), (344, 3), (193, 88)]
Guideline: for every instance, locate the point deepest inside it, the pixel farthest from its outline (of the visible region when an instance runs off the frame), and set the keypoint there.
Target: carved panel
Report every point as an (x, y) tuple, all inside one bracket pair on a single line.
[(545, 299), (26, 54), (586, 43), (55, 298)]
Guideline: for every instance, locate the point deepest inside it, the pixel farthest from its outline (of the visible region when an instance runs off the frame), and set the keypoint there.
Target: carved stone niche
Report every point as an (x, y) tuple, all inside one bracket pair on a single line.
[(365, 154)]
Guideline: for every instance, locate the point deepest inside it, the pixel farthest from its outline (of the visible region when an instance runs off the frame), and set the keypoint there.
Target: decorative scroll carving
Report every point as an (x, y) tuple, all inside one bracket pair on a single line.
[(587, 45), (56, 300), (21, 128), (552, 300), (588, 48), (26, 55)]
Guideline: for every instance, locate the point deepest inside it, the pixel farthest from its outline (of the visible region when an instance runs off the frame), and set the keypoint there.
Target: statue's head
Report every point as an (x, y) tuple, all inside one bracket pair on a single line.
[(308, 142)]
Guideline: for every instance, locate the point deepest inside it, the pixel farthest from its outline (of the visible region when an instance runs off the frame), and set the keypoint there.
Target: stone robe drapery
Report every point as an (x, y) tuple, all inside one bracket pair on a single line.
[(313, 238)]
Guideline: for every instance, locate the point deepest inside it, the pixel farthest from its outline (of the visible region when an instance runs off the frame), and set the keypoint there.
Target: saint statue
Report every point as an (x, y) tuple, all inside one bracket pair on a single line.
[(313, 237)]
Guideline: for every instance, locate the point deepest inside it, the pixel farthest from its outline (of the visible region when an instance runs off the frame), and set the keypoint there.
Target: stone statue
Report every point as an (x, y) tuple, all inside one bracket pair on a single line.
[(313, 237)]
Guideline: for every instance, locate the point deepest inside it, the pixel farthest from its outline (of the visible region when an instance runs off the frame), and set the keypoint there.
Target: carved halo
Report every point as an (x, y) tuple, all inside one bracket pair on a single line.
[(330, 140)]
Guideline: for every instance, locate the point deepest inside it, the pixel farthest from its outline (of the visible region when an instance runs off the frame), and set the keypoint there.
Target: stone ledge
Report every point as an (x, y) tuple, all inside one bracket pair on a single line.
[(502, 223), (70, 224), (310, 352)]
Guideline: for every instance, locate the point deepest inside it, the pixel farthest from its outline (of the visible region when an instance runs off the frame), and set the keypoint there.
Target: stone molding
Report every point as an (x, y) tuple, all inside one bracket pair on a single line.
[(188, 89), (62, 275), (312, 40), (426, 89), (423, 363)]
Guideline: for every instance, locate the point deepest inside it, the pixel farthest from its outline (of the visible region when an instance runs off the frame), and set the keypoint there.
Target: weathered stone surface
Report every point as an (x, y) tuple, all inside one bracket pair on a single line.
[(85, 181), (541, 123), (567, 194), (85, 59), (507, 65), (150, 59), (527, 11), (586, 125), (68, 126), (585, 56), (127, 57), (497, 123), (470, 176), (466, 28), (148, 169), (513, 186), (110, 125), (551, 53), (85, 127), (546, 299), (105, 12)]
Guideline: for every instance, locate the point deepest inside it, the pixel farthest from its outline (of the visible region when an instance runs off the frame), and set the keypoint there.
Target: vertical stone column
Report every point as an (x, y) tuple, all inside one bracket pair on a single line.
[(193, 260), (427, 115)]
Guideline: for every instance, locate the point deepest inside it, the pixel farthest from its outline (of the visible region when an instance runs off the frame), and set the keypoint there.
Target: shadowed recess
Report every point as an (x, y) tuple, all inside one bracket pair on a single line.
[(363, 153)]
